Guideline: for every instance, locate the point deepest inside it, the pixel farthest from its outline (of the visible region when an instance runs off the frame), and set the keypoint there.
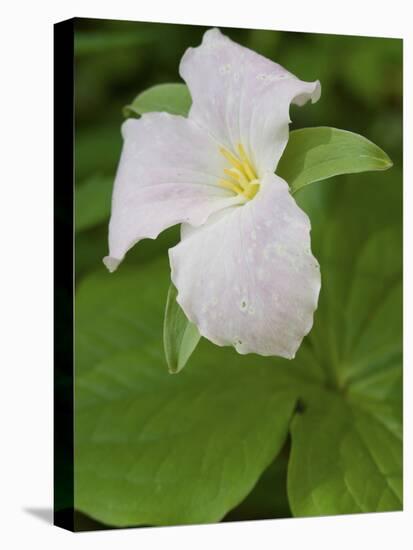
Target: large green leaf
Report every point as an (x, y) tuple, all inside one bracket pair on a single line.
[(314, 154), (119, 312), (152, 448), (171, 98), (156, 449), (346, 445), (180, 336), (268, 499), (345, 459)]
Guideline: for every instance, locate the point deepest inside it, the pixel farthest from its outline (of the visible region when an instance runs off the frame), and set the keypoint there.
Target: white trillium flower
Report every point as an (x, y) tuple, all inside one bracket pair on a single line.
[(243, 269)]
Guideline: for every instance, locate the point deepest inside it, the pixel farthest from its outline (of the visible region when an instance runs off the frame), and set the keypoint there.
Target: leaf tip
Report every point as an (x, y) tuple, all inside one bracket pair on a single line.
[(385, 160), (128, 112)]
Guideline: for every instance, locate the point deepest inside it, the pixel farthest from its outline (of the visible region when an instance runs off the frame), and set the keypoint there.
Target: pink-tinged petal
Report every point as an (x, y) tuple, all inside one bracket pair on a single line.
[(241, 97), (247, 278), (168, 174)]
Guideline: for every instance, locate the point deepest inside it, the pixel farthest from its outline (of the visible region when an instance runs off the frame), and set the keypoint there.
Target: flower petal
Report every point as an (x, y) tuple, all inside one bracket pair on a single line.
[(242, 97), (248, 278), (168, 174)]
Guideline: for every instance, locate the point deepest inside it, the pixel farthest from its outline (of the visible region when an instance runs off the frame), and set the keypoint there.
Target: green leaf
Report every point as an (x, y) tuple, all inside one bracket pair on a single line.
[(156, 449), (346, 444), (170, 98), (268, 499), (180, 336), (314, 154), (119, 312), (97, 151), (92, 202), (344, 460)]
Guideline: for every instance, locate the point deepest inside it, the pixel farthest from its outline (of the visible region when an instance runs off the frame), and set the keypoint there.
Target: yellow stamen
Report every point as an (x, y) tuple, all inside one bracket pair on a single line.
[(254, 182), (232, 173), (249, 171), (242, 176), (252, 189), (231, 186), (237, 176), (242, 153), (231, 158), (246, 164)]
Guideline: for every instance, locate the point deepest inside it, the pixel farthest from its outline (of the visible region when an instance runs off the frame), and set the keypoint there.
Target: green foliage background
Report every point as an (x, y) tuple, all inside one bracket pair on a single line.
[(346, 386)]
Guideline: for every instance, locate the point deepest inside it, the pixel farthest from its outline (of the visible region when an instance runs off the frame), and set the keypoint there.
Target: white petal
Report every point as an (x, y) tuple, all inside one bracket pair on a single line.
[(242, 97), (247, 278), (168, 174)]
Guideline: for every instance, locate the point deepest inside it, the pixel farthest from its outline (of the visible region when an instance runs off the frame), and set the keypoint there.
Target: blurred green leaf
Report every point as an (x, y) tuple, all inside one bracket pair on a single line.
[(264, 42), (90, 247), (97, 150), (170, 98), (180, 336), (372, 70), (92, 202), (314, 154), (87, 43)]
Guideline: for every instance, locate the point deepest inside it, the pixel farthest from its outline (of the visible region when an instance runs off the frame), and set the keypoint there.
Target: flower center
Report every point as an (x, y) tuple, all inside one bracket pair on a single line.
[(241, 178)]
